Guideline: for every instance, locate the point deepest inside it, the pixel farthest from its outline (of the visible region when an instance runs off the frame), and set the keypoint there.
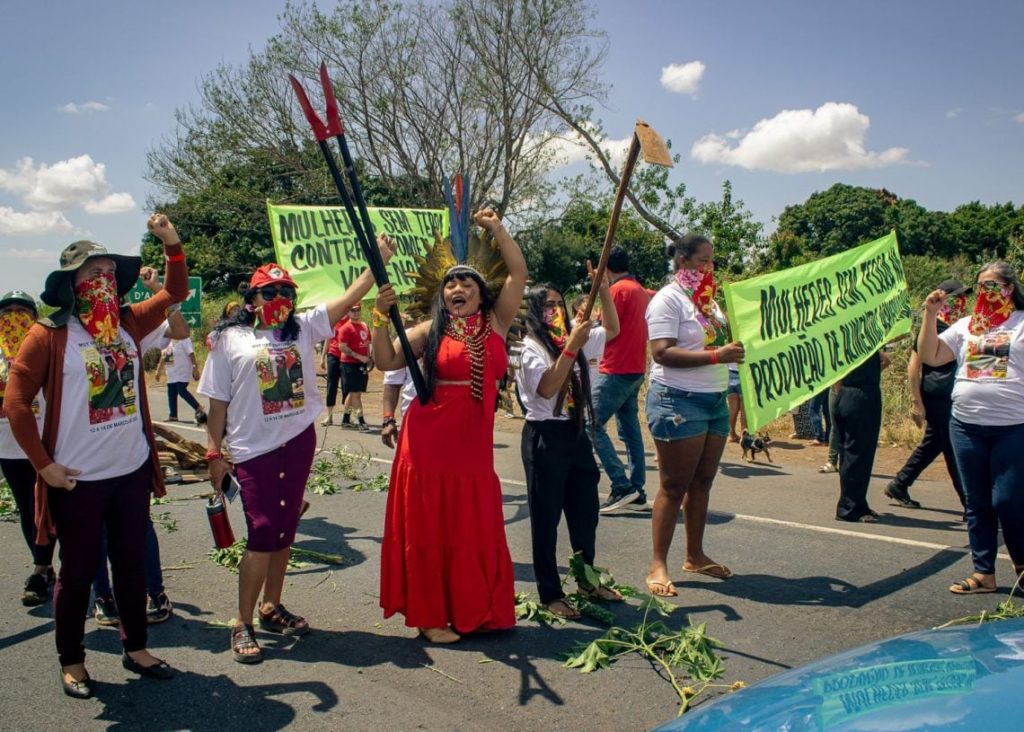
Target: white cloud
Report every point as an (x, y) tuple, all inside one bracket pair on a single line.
[(39, 254), (83, 108), (831, 137), (683, 78), (569, 148), (1019, 118), (955, 112), (31, 223), (78, 181), (114, 203)]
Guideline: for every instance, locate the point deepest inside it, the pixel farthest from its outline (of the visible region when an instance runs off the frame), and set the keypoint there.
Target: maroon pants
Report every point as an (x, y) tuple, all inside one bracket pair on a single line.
[(122, 503)]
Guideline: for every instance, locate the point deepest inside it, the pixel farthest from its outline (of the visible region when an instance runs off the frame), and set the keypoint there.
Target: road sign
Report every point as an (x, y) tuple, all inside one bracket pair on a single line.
[(191, 309)]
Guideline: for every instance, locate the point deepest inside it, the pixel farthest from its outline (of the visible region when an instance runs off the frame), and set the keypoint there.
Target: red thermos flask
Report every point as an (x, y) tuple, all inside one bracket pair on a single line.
[(220, 525)]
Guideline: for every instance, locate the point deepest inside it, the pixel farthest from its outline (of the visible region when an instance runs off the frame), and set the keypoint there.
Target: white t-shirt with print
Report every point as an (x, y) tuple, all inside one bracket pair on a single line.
[(177, 364), (671, 314), (270, 385), (101, 430), (400, 377), (989, 386), (9, 447), (535, 361)]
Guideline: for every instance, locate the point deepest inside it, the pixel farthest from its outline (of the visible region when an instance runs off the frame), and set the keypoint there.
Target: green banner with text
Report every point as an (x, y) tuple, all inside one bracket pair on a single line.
[(317, 246), (806, 327)]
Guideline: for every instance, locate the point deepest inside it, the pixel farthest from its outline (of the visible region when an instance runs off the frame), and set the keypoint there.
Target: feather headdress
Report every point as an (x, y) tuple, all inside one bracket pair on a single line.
[(473, 251)]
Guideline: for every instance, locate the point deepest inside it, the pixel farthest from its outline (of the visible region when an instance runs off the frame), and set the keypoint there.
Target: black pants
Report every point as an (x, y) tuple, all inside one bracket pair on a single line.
[(21, 477), (122, 504), (561, 477), (934, 442), (858, 419), (333, 378)]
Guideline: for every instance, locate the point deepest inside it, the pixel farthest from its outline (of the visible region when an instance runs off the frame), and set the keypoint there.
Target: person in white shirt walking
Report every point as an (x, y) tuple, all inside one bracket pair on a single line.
[(178, 361)]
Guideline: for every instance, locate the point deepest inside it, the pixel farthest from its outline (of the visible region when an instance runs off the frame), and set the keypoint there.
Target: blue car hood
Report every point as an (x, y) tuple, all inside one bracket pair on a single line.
[(965, 677)]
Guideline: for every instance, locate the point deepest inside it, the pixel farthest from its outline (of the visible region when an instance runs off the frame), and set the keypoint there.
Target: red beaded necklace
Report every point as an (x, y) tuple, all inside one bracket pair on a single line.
[(473, 331)]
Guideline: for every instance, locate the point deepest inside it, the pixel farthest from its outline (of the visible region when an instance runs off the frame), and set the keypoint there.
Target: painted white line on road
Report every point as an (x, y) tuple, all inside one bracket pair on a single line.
[(847, 532)]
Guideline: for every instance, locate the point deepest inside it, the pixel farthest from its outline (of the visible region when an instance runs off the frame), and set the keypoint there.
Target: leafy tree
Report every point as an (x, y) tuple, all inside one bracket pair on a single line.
[(737, 237), (425, 90), (844, 216), (985, 232), (920, 231), (557, 251), (838, 219)]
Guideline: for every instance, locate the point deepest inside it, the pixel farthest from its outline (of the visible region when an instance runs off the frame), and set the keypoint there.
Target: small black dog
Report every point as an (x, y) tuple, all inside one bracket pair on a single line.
[(754, 445)]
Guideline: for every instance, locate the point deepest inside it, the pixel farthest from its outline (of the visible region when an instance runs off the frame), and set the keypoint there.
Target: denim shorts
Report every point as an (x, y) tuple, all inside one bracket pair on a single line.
[(674, 414), (734, 383)]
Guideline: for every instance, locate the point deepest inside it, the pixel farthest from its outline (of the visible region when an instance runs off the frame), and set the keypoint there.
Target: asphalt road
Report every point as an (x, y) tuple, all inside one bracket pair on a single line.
[(805, 586)]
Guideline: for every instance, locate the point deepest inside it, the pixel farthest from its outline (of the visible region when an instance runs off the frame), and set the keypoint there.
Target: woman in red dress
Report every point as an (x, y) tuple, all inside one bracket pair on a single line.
[(445, 564)]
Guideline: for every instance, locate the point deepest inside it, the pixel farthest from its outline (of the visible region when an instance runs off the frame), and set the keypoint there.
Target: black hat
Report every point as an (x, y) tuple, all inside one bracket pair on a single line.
[(953, 287), (60, 292), (73, 257), (18, 297)]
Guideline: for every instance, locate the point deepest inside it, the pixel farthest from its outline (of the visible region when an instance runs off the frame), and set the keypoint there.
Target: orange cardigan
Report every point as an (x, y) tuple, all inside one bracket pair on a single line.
[(40, 365)]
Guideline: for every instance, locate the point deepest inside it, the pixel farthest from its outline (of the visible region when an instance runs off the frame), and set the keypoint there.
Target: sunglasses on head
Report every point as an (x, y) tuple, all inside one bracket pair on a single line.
[(269, 292), (356, 309)]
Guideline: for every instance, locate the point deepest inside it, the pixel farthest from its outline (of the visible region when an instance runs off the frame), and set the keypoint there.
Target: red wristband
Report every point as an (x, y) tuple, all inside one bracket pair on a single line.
[(174, 258), (212, 456), (714, 356), (569, 354), (388, 415)]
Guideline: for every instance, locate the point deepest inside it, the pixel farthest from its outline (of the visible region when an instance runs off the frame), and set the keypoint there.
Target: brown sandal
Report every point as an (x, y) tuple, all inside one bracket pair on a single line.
[(279, 620), (243, 638), (661, 589), (607, 594), (563, 609)]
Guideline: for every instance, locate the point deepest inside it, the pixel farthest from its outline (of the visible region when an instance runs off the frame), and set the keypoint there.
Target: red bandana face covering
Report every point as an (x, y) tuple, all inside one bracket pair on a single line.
[(14, 325), (98, 307), (273, 314), (994, 306), (953, 310), (554, 319), (700, 287)]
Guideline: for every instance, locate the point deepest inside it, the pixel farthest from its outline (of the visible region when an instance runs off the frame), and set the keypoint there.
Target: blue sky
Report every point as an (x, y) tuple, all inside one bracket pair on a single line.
[(783, 98)]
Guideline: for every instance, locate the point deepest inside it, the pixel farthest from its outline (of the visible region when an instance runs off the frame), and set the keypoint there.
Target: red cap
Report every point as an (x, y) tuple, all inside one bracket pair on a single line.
[(270, 274)]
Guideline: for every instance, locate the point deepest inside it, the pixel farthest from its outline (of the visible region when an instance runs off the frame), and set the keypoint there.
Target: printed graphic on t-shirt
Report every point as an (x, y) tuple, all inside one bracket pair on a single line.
[(4, 370), (110, 373), (279, 370), (988, 355), (169, 357)]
